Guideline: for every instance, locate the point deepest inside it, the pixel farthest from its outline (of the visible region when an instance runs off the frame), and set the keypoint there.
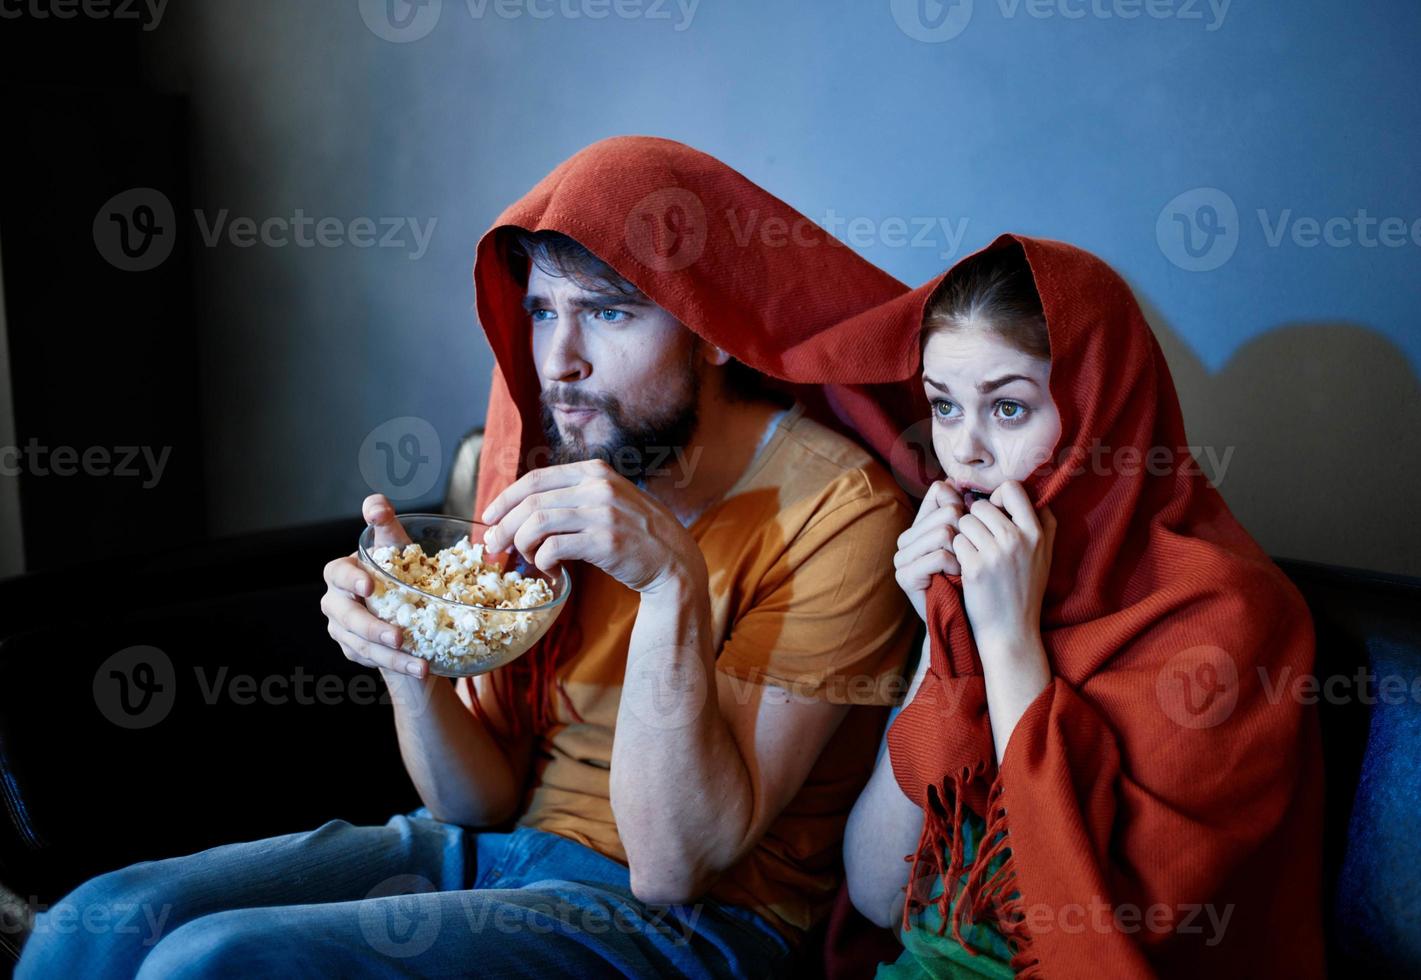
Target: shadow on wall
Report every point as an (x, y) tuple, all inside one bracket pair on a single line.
[(1315, 427)]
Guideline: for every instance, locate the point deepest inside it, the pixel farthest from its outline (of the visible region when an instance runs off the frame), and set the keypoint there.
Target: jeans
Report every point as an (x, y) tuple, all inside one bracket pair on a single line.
[(416, 897)]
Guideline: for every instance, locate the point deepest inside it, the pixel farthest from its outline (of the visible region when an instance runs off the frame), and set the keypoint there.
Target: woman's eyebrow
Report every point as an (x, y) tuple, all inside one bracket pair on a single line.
[(1006, 379), (985, 386)]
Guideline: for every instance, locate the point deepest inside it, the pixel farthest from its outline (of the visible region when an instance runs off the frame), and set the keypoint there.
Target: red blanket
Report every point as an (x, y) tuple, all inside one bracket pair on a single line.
[(1160, 801)]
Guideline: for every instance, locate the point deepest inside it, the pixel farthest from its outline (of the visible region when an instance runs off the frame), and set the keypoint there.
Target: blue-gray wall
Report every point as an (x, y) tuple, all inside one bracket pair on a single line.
[(904, 124)]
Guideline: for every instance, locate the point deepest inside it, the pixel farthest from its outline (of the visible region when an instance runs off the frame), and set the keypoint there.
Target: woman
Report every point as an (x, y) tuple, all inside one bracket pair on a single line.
[(1088, 777)]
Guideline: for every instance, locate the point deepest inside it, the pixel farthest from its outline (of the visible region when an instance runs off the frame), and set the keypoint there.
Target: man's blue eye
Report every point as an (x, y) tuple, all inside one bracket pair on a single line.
[(539, 315), (610, 315)]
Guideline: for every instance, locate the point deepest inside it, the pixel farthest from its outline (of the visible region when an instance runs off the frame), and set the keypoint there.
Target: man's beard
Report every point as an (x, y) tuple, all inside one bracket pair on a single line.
[(638, 447)]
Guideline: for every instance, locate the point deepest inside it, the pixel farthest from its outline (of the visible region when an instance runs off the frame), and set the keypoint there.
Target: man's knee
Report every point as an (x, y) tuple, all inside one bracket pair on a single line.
[(115, 917), (231, 943)]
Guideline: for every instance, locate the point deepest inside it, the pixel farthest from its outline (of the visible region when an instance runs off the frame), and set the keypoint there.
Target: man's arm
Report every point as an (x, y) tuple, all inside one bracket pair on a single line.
[(461, 773), (697, 780)]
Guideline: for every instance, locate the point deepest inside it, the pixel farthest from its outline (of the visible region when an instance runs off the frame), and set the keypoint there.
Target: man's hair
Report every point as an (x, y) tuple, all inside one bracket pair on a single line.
[(561, 255)]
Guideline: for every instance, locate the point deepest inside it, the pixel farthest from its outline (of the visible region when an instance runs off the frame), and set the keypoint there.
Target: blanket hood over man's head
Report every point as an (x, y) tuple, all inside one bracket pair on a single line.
[(729, 260)]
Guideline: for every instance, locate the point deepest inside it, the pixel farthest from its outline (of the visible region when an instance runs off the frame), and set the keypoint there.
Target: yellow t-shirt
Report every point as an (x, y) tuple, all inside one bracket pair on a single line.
[(800, 554)]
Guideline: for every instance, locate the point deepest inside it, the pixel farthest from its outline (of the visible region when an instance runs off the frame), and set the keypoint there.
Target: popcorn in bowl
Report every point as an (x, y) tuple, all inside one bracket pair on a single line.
[(462, 613)]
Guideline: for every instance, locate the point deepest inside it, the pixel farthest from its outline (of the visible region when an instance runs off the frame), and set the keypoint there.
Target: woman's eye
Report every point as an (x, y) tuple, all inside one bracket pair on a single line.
[(1011, 411), (943, 409), (610, 315)]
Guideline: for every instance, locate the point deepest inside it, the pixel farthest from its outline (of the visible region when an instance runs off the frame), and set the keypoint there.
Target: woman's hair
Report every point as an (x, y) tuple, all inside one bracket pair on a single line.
[(995, 291)]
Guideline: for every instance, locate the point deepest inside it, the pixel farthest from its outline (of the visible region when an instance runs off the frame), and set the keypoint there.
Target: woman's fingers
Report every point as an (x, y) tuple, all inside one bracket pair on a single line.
[(939, 495), (943, 517), (974, 533), (915, 576), (936, 536), (994, 520), (1011, 497)]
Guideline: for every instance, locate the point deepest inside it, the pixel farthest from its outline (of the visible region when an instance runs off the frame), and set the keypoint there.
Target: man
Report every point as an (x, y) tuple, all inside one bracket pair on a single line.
[(680, 755)]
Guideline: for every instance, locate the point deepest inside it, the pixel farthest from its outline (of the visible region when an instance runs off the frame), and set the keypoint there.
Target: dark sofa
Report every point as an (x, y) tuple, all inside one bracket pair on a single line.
[(199, 755)]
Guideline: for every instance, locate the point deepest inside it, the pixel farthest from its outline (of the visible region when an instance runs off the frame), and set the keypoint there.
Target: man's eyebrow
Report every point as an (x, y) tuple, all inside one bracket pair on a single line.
[(593, 301), (603, 300), (985, 386)]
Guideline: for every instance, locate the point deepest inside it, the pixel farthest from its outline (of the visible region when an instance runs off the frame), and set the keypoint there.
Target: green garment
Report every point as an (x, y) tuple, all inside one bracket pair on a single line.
[(928, 956)]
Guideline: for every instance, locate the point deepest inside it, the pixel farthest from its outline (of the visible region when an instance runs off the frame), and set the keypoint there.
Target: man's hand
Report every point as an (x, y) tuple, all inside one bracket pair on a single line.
[(589, 512), (363, 637), (925, 549)]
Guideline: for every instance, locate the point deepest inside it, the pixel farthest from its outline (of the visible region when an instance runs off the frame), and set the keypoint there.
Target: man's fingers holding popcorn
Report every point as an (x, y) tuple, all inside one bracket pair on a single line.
[(544, 479), (507, 529), (607, 521)]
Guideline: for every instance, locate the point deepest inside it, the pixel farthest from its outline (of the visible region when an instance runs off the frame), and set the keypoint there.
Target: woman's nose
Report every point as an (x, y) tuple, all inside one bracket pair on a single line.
[(970, 449)]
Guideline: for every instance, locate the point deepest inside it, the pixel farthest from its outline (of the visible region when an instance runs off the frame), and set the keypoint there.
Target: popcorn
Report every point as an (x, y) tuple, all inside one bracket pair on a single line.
[(459, 638)]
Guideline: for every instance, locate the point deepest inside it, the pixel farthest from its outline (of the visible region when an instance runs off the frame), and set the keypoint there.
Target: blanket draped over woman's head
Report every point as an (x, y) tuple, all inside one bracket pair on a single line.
[(1160, 800), (729, 260)]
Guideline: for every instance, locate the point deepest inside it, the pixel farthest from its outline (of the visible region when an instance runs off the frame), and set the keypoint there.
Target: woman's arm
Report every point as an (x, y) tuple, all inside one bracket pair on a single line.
[(1015, 671), (883, 829)]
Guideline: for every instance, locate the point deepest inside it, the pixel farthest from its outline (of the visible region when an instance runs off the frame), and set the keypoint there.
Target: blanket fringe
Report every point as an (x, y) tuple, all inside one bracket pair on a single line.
[(983, 897)]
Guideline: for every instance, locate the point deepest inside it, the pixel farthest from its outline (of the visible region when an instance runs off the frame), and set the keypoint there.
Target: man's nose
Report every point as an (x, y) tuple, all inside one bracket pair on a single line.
[(564, 360)]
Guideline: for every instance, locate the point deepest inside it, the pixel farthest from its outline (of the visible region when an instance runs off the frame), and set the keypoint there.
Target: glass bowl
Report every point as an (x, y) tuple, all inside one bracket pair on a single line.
[(459, 639)]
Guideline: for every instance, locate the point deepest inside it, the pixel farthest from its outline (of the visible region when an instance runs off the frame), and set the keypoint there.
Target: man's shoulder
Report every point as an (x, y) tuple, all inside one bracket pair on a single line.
[(816, 469)]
